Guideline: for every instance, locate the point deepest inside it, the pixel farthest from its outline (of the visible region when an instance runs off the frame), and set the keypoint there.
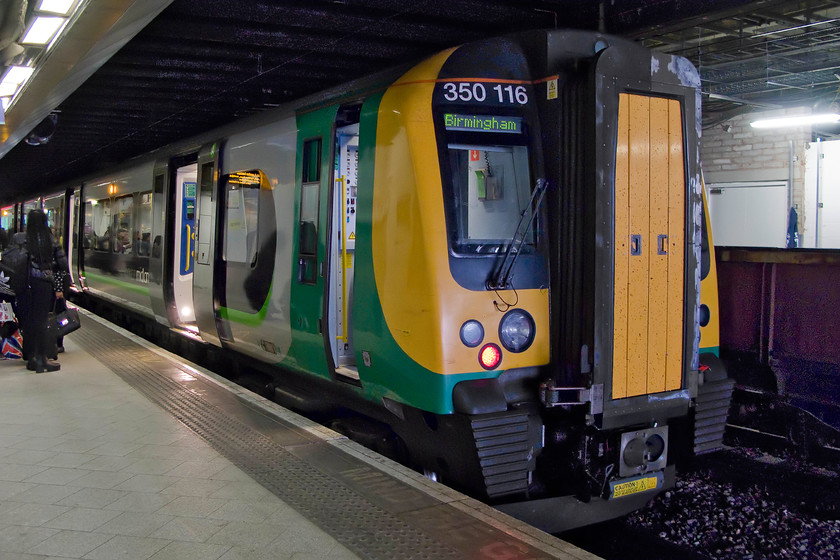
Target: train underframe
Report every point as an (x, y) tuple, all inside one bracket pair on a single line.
[(548, 466)]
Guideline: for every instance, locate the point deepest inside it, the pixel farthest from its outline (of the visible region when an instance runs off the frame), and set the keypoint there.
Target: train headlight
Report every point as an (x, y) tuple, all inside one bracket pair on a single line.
[(472, 333), (517, 330), (490, 356)]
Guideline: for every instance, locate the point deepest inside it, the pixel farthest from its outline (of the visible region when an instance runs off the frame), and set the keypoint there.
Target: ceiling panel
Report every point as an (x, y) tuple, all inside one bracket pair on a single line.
[(196, 64)]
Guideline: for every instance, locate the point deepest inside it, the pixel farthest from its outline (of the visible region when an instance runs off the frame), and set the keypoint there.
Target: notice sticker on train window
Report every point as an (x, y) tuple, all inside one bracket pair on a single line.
[(482, 123), (636, 485)]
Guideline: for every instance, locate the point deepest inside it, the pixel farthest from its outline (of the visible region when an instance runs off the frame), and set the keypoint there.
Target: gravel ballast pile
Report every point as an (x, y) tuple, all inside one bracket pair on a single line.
[(755, 516)]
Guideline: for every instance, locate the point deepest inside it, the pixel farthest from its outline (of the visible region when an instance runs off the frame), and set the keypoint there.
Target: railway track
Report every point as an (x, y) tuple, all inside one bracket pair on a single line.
[(761, 419)]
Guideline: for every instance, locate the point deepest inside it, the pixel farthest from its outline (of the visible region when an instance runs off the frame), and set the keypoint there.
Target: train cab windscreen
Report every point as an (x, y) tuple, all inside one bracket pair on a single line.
[(490, 180)]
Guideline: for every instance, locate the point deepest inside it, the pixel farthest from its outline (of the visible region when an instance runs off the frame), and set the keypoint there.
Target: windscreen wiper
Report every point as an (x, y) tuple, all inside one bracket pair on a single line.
[(501, 280)]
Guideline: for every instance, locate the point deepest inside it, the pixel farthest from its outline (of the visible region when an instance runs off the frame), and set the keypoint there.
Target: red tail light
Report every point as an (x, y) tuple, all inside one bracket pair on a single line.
[(490, 356)]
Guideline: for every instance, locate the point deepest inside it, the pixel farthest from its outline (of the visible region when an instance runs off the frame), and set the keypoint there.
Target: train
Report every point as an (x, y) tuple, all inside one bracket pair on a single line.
[(497, 258)]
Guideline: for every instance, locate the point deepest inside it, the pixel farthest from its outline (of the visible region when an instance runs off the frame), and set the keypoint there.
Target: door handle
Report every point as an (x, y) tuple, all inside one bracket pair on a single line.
[(635, 245)]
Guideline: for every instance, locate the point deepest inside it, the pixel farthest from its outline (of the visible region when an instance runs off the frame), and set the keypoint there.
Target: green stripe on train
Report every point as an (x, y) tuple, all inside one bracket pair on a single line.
[(245, 318), (115, 281), (711, 350)]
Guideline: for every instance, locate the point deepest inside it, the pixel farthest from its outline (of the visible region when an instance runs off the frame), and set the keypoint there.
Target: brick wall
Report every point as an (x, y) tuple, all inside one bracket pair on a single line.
[(734, 151)]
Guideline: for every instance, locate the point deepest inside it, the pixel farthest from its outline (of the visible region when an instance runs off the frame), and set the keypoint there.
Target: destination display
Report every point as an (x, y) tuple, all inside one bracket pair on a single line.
[(482, 123)]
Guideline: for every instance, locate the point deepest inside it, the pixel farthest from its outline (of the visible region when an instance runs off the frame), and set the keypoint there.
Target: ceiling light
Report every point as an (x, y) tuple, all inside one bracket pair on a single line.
[(42, 30), (802, 120), (56, 6), (7, 89), (17, 74)]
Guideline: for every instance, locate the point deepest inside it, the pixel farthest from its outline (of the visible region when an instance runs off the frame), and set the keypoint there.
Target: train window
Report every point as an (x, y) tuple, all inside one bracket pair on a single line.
[(310, 194), (27, 207), (242, 212), (123, 224), (54, 207), (97, 228), (491, 188), (7, 221), (144, 224), (311, 161)]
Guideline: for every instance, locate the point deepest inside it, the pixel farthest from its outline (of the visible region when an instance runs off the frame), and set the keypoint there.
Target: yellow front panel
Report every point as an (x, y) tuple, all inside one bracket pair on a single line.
[(622, 249), (676, 236), (637, 312), (649, 252), (423, 305), (710, 334), (659, 188)]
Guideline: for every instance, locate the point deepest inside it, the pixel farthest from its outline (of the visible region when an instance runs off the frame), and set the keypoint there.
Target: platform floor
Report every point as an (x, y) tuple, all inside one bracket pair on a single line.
[(128, 452)]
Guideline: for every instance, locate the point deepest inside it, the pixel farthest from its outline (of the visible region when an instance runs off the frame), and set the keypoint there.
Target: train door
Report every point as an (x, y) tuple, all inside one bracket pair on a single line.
[(72, 233), (161, 236), (170, 268), (343, 244), (313, 172), (204, 301), (184, 246)]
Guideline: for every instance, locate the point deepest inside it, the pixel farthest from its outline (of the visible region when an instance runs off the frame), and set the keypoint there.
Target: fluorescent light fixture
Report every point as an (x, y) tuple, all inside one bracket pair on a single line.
[(42, 30), (17, 74), (62, 7), (801, 120), (8, 89)]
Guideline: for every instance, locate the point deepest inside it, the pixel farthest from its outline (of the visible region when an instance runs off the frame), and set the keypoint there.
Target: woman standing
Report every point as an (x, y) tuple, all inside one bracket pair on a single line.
[(46, 260)]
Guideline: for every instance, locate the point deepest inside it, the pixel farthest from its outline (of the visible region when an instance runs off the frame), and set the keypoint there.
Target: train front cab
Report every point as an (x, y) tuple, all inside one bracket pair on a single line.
[(622, 220)]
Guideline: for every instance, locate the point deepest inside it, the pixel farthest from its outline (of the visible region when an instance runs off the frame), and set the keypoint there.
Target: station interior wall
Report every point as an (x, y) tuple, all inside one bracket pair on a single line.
[(761, 162)]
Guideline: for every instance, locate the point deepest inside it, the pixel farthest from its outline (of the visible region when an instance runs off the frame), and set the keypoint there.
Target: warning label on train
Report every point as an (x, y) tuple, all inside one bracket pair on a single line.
[(635, 486)]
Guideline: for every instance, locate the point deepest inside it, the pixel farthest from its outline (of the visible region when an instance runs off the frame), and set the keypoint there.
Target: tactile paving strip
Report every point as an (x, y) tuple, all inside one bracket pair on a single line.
[(366, 529)]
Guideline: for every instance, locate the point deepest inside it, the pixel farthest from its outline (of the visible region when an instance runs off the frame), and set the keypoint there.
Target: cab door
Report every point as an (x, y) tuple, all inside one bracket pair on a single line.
[(313, 171)]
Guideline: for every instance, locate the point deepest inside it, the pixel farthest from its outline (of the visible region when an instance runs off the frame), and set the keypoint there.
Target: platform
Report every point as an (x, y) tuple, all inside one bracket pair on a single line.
[(129, 452)]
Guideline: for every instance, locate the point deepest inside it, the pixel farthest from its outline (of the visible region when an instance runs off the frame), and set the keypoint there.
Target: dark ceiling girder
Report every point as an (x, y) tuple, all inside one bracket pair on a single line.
[(201, 64)]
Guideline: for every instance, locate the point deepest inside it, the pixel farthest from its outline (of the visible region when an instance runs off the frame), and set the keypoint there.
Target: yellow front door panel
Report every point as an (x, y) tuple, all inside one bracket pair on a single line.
[(650, 195)]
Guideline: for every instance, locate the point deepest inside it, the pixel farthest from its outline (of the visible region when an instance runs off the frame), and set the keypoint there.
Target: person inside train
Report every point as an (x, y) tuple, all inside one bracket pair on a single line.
[(143, 244), (123, 242), (46, 261), (104, 242)]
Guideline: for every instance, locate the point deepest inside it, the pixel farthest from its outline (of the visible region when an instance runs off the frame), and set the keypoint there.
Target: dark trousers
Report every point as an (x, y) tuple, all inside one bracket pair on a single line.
[(35, 306)]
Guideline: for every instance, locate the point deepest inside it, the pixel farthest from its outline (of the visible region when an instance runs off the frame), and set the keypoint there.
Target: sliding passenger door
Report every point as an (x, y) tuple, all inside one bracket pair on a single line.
[(173, 241), (204, 301), (313, 172), (161, 238)]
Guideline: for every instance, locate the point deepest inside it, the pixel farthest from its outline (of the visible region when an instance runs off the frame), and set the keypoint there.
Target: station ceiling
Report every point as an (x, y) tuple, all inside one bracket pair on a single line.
[(128, 76)]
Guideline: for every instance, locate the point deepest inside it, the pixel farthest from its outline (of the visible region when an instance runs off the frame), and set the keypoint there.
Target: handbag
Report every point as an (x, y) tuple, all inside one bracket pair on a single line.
[(67, 321), (14, 270)]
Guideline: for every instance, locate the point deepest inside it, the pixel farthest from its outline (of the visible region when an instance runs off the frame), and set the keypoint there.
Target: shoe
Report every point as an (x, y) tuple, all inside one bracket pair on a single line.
[(60, 350), (42, 365), (30, 364)]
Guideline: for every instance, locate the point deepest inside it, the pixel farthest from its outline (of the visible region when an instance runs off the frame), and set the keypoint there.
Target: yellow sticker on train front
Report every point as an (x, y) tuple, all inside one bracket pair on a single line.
[(551, 92), (635, 486)]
